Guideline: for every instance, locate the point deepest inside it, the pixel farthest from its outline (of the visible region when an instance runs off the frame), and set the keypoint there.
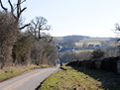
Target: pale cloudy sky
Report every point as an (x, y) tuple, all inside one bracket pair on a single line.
[(95, 18)]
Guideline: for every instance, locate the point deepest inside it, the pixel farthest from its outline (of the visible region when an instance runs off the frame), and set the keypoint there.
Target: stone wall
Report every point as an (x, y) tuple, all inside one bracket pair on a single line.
[(111, 64)]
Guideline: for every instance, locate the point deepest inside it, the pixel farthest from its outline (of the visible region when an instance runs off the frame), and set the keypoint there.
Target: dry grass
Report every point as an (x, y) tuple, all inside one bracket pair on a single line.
[(94, 41), (16, 70), (79, 51), (80, 44)]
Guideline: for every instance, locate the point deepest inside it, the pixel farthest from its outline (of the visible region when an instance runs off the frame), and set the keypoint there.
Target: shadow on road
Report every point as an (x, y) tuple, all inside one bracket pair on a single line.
[(109, 80)]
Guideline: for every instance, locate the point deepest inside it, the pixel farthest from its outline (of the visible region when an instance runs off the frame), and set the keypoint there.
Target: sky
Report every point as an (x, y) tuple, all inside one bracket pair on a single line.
[(95, 18)]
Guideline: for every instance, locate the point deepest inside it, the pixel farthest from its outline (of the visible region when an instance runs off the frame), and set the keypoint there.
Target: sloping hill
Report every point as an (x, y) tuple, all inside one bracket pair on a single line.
[(93, 39), (75, 38)]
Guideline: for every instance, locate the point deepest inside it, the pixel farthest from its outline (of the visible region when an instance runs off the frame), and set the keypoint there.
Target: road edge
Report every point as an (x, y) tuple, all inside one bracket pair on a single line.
[(57, 70)]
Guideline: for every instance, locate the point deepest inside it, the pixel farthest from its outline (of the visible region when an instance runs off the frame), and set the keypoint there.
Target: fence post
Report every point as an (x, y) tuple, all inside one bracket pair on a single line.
[(118, 66)]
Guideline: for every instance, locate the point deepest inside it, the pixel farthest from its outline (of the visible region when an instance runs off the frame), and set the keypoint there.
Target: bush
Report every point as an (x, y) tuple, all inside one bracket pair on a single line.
[(97, 54)]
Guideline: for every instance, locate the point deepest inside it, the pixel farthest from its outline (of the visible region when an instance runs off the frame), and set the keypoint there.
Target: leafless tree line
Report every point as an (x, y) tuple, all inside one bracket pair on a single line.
[(31, 46), (87, 55), (69, 56)]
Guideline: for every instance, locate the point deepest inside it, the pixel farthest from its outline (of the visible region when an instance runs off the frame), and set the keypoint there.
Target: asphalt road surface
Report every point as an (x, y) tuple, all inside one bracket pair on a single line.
[(27, 81)]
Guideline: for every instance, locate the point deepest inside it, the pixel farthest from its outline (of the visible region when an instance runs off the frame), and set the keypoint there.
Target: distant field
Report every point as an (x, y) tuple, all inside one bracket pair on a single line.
[(79, 51), (91, 40), (80, 44), (58, 38), (94, 39)]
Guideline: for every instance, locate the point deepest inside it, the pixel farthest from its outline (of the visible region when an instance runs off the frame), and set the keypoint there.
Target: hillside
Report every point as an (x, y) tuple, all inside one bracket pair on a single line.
[(92, 40), (81, 39), (75, 38), (77, 42)]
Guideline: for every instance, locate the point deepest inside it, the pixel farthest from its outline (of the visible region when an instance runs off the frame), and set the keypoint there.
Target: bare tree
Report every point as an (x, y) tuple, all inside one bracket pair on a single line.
[(117, 31), (85, 45), (9, 28), (22, 50), (8, 36), (84, 55), (42, 49), (110, 50), (68, 56), (43, 52), (16, 12), (37, 25)]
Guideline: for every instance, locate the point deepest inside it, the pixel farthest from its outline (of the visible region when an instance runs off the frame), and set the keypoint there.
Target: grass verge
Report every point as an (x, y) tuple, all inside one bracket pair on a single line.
[(80, 78), (13, 71)]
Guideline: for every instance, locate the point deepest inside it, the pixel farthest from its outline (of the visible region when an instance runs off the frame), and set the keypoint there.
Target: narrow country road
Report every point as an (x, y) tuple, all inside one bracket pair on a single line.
[(28, 81)]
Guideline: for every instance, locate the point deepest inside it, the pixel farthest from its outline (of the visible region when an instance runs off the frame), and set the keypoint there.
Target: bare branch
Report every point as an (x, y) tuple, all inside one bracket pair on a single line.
[(117, 40), (3, 6), (50, 40), (12, 9), (18, 9), (23, 1), (46, 27), (44, 37), (22, 10), (32, 35), (24, 26), (117, 26), (38, 24)]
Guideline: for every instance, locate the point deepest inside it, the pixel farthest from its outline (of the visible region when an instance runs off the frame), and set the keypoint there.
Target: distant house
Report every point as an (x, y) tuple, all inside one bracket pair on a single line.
[(76, 48), (97, 46), (91, 46), (58, 47), (66, 49)]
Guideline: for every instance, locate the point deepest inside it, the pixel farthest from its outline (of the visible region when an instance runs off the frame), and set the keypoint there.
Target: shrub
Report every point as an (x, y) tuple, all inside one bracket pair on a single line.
[(97, 53)]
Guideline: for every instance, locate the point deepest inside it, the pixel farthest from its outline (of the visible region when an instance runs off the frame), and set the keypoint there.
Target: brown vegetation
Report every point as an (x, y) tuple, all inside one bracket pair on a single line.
[(22, 48)]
